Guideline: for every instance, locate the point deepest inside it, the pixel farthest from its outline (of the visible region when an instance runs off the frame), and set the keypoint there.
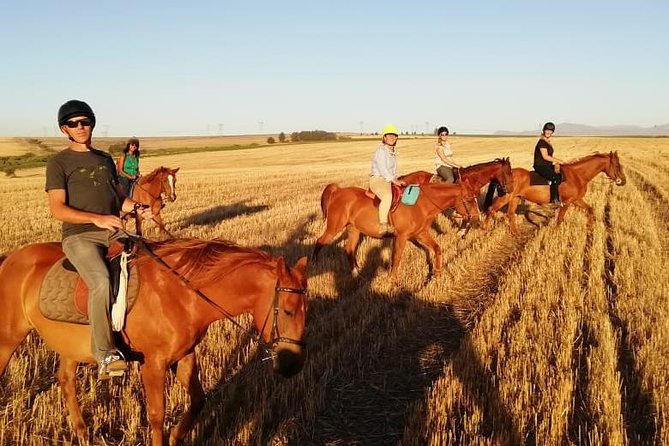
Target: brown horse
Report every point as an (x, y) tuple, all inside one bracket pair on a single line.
[(478, 175), (351, 208), (154, 189), (577, 175), (185, 286)]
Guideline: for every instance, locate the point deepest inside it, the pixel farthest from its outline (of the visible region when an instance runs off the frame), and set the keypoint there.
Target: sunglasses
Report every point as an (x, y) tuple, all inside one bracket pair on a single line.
[(75, 124), (443, 134)]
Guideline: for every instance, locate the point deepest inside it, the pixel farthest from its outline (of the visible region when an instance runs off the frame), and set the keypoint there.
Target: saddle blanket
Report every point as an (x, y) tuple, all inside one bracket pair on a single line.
[(64, 295)]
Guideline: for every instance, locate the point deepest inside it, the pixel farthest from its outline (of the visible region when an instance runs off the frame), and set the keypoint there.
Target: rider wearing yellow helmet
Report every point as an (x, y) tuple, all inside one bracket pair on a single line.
[(384, 171)]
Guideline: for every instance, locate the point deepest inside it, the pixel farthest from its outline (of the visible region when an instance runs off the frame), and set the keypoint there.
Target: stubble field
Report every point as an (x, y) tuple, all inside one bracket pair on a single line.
[(557, 336)]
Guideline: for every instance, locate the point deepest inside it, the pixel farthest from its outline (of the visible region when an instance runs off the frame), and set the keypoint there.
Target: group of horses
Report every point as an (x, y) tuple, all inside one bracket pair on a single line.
[(351, 209), (186, 284)]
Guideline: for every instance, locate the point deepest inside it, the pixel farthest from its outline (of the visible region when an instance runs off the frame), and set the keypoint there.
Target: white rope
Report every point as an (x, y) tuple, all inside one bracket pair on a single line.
[(119, 308)]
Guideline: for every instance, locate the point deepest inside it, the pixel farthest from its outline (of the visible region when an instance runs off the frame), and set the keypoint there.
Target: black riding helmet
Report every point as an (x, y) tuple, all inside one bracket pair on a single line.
[(442, 129), (549, 126), (74, 108)]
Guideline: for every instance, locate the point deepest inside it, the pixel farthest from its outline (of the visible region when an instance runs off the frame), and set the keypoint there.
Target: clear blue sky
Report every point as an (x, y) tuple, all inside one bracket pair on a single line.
[(159, 68)]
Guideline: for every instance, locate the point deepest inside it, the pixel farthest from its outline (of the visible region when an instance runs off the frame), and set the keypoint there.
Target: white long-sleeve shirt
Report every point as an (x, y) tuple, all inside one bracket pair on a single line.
[(384, 163)]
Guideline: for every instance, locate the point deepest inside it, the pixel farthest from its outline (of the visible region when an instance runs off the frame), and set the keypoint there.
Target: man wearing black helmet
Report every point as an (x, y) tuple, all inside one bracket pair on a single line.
[(83, 193), (545, 164)]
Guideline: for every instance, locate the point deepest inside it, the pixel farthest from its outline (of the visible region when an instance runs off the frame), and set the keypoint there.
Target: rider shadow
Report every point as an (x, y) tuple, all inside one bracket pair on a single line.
[(218, 214)]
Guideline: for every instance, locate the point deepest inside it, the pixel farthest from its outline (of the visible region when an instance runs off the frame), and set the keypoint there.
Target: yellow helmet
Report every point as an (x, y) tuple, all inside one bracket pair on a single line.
[(390, 129)]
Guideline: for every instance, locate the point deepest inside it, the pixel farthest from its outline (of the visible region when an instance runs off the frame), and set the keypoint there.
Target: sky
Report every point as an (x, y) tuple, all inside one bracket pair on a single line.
[(170, 68)]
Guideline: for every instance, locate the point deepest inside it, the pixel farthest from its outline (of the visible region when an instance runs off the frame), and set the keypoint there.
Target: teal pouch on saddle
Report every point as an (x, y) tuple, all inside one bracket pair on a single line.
[(410, 194)]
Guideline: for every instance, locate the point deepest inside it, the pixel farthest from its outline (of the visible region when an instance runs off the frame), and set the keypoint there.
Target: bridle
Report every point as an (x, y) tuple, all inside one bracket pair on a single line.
[(160, 194), (276, 336)]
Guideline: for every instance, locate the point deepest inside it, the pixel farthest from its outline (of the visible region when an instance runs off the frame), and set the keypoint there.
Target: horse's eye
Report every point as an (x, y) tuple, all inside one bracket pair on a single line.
[(288, 313)]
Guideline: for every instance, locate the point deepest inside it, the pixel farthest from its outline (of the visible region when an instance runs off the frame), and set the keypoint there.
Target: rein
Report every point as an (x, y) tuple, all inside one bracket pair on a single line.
[(276, 337)]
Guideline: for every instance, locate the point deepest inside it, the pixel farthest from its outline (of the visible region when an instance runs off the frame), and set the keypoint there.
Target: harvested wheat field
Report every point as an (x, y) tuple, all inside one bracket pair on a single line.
[(557, 336)]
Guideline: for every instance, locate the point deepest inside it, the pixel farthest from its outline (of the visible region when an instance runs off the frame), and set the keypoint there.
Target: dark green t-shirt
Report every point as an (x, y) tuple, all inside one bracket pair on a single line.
[(88, 179)]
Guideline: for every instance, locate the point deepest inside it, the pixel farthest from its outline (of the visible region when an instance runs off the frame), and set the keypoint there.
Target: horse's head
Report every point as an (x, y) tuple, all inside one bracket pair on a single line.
[(614, 169), (283, 326), (505, 176), (168, 185)]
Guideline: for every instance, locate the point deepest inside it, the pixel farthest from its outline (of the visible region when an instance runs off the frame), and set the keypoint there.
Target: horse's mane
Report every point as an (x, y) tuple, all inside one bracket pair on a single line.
[(152, 176), (206, 262), (586, 158), (483, 164)]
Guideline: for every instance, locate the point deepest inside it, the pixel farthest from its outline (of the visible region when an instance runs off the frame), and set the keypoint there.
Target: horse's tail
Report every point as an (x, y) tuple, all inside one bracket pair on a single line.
[(326, 196)]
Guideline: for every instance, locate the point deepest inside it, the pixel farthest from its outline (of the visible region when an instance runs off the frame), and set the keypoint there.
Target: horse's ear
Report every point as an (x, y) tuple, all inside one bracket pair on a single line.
[(280, 263), (175, 170), (301, 265)]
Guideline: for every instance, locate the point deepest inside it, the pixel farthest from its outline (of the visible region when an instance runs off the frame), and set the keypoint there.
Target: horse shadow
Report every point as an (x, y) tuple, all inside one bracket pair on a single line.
[(218, 214), (357, 381)]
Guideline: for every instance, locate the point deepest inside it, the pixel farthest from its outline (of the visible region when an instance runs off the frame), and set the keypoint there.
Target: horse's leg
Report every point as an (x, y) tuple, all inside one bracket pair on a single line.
[(332, 228), (398, 249), (511, 214), (430, 244), (13, 328), (158, 219), (153, 378), (497, 205), (67, 378), (588, 210), (187, 375), (350, 248), (563, 210)]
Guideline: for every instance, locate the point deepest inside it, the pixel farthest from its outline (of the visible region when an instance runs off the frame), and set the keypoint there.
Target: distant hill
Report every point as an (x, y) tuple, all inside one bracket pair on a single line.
[(565, 128)]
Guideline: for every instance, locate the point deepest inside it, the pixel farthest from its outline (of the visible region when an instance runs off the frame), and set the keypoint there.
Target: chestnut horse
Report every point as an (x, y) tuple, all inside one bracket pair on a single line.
[(576, 175), (186, 285), (351, 208), (478, 176), (153, 189)]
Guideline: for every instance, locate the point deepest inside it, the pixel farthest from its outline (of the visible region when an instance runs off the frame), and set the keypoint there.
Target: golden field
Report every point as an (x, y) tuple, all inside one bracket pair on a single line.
[(557, 336)]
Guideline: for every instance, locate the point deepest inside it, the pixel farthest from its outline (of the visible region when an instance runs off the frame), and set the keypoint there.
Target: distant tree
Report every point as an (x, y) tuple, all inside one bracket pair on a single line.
[(282, 137), (270, 140), (116, 149), (294, 137)]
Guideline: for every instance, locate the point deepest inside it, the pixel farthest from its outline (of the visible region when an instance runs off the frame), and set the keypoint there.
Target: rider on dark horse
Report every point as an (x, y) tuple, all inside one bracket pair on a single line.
[(83, 193), (545, 164)]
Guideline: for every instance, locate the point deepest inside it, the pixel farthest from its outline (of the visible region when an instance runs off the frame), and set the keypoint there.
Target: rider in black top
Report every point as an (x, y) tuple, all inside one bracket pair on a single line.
[(545, 163)]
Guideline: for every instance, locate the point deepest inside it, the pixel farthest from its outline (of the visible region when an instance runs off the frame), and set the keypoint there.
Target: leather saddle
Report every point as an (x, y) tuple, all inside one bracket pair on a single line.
[(538, 180), (64, 294)]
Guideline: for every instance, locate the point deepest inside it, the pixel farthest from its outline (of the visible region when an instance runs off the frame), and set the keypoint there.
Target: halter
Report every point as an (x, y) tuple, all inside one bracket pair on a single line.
[(276, 337)]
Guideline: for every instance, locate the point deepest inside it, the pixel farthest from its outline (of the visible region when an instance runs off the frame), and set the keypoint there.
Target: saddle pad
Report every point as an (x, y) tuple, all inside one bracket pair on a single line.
[(64, 295), (410, 194)]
